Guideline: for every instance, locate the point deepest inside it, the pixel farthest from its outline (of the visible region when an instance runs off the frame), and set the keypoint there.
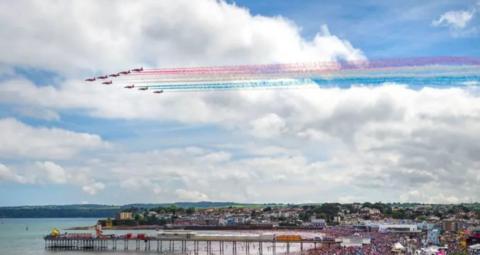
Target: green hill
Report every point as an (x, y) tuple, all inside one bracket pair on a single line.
[(99, 211)]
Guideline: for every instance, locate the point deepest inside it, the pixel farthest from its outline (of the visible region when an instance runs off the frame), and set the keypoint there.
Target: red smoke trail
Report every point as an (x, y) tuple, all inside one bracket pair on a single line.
[(322, 67)]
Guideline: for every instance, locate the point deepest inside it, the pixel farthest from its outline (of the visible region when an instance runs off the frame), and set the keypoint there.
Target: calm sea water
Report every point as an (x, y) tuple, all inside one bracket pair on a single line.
[(16, 239), (25, 236)]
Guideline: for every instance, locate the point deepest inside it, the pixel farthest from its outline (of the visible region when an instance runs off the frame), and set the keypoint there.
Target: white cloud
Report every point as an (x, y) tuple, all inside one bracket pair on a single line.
[(55, 173), (454, 19), (49, 172), (370, 138), (6, 174), (434, 198), (270, 125), (18, 140), (42, 114), (139, 183), (93, 188), (105, 35), (389, 139), (217, 157), (190, 195)]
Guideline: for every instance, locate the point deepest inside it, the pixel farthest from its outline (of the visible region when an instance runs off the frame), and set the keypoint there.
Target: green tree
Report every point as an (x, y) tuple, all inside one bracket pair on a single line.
[(267, 209), (328, 210), (190, 211)]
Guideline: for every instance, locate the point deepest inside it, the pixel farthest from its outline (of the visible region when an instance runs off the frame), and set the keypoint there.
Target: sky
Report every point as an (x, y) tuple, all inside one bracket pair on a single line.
[(63, 141)]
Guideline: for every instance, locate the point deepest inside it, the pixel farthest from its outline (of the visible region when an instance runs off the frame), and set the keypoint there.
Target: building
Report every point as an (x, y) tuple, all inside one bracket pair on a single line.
[(125, 216), (317, 223), (453, 225), (354, 241), (398, 228)]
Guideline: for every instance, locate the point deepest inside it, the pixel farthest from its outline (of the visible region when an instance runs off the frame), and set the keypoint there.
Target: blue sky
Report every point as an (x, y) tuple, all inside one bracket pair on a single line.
[(66, 142), (380, 29)]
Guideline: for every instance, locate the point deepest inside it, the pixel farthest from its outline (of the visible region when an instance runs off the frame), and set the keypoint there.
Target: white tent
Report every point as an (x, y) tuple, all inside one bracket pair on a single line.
[(432, 250), (475, 247), (398, 247)]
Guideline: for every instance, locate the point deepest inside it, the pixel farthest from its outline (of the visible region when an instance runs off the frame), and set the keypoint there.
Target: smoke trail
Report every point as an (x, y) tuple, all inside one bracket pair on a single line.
[(416, 72)]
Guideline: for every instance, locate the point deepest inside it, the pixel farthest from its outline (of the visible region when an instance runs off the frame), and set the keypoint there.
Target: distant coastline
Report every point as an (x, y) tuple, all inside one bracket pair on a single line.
[(110, 211), (99, 211)]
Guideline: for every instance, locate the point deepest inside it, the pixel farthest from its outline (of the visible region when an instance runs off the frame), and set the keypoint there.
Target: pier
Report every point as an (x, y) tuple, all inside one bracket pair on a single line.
[(193, 245)]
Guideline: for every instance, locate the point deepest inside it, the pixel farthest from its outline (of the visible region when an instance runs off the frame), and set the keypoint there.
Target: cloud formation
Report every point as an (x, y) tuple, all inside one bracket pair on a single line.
[(54, 172), (391, 138), (454, 19), (460, 23), (6, 174), (88, 36), (18, 140), (93, 188), (51, 173), (384, 143)]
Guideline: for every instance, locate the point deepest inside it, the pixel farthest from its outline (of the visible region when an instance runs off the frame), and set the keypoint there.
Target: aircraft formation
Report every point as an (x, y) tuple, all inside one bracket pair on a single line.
[(415, 72)]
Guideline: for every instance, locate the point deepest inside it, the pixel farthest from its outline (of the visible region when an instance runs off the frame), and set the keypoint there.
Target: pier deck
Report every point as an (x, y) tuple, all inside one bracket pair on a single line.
[(185, 246)]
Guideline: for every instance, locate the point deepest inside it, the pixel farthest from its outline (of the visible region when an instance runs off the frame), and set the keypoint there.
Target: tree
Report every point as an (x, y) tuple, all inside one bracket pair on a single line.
[(267, 209), (137, 217), (190, 211), (367, 204), (305, 215), (329, 210), (171, 209)]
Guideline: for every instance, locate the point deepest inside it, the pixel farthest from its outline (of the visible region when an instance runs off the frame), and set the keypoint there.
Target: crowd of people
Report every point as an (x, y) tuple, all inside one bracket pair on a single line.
[(380, 243)]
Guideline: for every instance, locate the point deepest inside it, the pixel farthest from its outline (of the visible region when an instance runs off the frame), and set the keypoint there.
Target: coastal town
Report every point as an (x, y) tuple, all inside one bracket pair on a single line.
[(358, 228)]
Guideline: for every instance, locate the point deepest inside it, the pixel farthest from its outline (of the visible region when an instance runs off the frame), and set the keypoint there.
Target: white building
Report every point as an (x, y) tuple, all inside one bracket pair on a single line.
[(398, 228)]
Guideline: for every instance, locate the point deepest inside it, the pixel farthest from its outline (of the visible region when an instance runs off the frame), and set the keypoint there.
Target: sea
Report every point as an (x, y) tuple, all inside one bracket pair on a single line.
[(25, 236)]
